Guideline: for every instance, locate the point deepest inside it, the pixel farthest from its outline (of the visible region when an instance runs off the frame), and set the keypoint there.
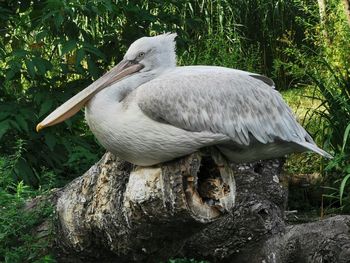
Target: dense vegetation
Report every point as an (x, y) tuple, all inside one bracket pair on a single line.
[(49, 50)]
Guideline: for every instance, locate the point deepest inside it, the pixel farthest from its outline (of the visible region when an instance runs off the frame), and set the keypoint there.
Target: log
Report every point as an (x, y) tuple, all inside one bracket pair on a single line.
[(326, 240), (141, 213), (198, 207)]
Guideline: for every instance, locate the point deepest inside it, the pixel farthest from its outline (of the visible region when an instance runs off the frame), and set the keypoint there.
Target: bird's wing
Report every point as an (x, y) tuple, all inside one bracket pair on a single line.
[(242, 105)]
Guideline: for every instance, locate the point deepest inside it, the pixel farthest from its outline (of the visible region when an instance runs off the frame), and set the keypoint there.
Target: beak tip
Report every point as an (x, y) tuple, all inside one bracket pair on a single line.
[(39, 127)]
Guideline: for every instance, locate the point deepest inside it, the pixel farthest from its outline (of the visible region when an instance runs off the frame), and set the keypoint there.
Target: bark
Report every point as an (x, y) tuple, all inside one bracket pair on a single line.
[(322, 9), (141, 213), (323, 18), (347, 10), (198, 206)]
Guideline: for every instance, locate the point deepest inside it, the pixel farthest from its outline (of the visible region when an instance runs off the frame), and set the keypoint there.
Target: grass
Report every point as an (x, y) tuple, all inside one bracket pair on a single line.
[(18, 241), (303, 101), (307, 195), (328, 193)]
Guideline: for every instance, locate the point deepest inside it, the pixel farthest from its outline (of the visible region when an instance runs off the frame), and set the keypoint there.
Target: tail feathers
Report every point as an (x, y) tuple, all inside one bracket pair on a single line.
[(314, 148)]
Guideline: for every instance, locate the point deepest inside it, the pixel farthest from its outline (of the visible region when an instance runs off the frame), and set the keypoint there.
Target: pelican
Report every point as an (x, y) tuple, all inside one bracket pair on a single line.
[(146, 110)]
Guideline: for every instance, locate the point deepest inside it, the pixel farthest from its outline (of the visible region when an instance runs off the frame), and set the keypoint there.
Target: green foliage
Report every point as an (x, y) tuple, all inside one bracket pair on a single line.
[(46, 59), (49, 50), (324, 64), (18, 244), (244, 34), (341, 165), (17, 224)]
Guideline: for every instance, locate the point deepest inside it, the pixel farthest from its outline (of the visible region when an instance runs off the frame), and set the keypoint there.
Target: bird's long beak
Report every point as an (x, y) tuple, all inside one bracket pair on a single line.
[(74, 104)]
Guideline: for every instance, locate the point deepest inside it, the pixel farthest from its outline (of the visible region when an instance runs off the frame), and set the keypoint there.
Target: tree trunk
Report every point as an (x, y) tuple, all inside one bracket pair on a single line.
[(198, 206), (347, 10), (323, 18)]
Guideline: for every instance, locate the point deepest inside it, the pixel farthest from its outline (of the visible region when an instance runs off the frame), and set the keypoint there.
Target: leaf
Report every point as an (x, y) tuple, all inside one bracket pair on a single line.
[(22, 123), (41, 35), (4, 115), (92, 68), (80, 56), (2, 52), (4, 127), (342, 187), (15, 125), (40, 67), (346, 135), (68, 46), (47, 64), (10, 74), (50, 140), (27, 113), (20, 53), (58, 20), (45, 107), (91, 49), (23, 171), (30, 67)]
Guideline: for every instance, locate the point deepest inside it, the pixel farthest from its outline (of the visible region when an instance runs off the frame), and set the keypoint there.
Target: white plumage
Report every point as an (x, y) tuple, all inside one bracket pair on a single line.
[(161, 111)]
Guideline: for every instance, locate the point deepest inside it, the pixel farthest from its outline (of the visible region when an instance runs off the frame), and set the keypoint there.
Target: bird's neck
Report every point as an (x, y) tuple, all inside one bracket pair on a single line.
[(118, 91), (124, 87)]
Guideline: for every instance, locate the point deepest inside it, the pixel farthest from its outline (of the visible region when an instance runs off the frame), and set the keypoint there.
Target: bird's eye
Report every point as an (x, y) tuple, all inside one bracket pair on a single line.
[(141, 55)]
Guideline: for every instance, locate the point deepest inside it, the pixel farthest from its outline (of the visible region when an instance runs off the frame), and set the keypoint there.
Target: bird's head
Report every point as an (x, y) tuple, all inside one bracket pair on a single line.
[(153, 53), (145, 54)]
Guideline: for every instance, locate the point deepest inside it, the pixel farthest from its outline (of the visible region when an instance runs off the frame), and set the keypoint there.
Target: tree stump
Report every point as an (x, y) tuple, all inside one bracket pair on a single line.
[(198, 206), (141, 213)]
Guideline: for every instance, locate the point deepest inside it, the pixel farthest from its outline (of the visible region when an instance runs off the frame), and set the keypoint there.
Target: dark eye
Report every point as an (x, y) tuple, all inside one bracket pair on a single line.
[(141, 55)]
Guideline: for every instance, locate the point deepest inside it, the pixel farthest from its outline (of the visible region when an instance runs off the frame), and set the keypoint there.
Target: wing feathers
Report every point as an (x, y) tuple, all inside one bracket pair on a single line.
[(235, 103), (314, 148)]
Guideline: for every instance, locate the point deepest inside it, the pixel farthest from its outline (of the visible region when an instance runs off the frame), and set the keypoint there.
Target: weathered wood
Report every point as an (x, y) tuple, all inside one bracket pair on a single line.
[(140, 213), (327, 240), (191, 208), (258, 214)]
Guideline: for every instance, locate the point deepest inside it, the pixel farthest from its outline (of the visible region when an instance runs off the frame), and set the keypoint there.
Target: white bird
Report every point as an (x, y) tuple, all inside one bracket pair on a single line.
[(146, 110)]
